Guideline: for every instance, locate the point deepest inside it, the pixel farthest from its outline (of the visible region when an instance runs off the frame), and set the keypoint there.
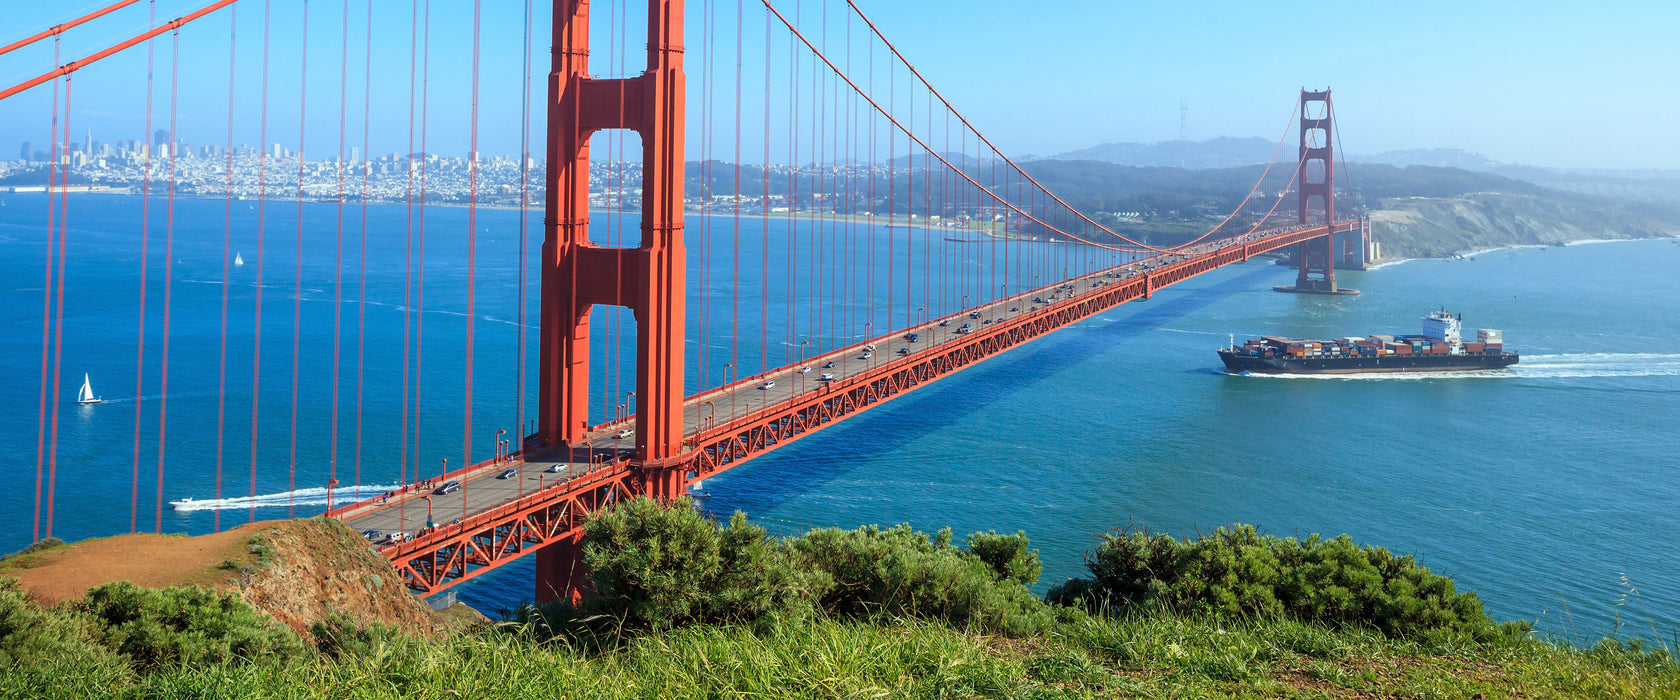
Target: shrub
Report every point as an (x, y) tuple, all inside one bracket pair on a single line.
[(899, 571), (47, 640), (660, 567), (1239, 572), (182, 626), (1008, 555)]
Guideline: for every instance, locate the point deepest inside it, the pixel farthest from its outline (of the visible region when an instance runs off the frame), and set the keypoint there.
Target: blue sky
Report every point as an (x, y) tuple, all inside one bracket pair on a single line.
[(1556, 84)]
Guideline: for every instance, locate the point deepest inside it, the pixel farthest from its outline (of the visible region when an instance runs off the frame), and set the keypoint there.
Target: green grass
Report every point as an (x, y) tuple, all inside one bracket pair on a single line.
[(1153, 656)]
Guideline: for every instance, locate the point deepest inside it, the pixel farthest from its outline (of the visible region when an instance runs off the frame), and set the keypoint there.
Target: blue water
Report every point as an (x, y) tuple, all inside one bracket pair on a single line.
[(1551, 489)]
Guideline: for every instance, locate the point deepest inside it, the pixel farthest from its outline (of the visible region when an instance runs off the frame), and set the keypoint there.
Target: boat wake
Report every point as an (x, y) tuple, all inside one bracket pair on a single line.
[(316, 496), (1560, 366)]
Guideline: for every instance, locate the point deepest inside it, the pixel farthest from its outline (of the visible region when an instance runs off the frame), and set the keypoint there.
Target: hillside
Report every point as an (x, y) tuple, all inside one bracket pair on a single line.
[(1414, 227), (297, 571), (1416, 211)]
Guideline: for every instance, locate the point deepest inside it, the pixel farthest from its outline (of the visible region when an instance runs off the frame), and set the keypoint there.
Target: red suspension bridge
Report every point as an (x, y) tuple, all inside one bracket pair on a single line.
[(879, 243)]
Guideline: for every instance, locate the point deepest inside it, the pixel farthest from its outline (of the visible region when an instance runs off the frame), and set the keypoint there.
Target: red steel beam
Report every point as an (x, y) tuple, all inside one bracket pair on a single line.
[(74, 66), (72, 24)]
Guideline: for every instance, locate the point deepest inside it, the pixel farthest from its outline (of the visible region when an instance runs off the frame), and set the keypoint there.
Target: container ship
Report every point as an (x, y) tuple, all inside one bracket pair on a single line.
[(1440, 348)]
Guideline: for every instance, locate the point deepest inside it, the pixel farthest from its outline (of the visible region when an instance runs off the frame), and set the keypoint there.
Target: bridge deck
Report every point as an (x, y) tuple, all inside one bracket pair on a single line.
[(493, 519)]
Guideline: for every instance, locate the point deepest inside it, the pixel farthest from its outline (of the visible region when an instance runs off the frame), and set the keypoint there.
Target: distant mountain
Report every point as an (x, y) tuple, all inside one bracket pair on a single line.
[(1634, 185), (1432, 157), (1222, 152)]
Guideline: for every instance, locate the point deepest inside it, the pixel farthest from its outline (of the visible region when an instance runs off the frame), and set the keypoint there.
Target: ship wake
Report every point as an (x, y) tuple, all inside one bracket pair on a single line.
[(1559, 366), (316, 496)]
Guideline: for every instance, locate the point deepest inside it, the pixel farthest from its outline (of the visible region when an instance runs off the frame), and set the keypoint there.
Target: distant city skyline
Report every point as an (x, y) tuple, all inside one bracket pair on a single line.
[(1518, 82)]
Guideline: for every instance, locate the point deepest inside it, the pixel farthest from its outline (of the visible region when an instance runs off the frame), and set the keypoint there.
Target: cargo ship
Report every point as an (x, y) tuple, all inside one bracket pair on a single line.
[(1440, 348)]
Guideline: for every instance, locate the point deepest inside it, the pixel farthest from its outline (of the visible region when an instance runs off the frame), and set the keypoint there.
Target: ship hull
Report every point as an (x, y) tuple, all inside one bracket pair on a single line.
[(1363, 364)]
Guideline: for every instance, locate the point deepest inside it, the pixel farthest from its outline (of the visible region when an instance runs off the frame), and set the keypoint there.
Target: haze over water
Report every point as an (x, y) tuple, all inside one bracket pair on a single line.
[(1546, 488)]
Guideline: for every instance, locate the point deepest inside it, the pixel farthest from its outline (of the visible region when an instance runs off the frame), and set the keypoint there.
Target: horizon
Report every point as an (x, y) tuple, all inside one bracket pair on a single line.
[(1404, 89)]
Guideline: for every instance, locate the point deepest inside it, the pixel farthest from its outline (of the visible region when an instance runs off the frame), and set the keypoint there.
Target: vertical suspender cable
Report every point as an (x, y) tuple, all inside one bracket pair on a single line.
[(227, 245), (145, 235), (361, 257), (420, 228), (46, 319), (58, 317), (524, 219), (338, 249), (297, 264), (408, 258), (472, 245), (262, 221), (168, 269)]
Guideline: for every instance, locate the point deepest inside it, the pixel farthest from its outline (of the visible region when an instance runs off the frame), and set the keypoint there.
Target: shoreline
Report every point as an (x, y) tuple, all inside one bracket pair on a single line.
[(1517, 246)]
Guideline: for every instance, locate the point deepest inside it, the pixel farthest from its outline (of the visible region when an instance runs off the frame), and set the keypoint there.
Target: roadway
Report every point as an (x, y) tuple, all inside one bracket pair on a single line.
[(488, 485)]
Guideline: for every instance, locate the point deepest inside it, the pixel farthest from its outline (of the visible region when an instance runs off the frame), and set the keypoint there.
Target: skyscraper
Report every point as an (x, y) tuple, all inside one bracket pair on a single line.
[(161, 137), (26, 151)]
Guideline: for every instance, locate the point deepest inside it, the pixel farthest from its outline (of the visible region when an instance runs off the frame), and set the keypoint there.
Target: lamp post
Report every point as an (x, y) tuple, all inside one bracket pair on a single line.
[(500, 452), (728, 368), (330, 484), (429, 523)]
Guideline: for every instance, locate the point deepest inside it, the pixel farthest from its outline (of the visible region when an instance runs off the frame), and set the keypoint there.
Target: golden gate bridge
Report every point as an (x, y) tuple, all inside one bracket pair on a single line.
[(878, 189)]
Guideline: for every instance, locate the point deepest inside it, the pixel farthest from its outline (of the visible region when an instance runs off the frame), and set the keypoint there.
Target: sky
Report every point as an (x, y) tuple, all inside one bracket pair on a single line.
[(1541, 83)]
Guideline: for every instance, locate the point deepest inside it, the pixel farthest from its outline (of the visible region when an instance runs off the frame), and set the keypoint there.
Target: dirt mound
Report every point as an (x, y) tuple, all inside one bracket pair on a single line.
[(298, 571), (66, 572)]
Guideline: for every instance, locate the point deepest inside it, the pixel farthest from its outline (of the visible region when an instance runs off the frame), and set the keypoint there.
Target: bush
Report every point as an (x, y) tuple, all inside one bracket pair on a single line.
[(1007, 555), (47, 641), (1239, 572), (899, 571), (660, 567), (184, 626)]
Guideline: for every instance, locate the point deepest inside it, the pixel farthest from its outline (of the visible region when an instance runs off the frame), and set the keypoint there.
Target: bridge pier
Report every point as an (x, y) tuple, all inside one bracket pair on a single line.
[(560, 571)]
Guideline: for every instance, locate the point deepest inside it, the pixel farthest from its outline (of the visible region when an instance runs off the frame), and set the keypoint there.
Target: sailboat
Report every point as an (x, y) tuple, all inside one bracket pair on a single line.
[(85, 396), (238, 260)]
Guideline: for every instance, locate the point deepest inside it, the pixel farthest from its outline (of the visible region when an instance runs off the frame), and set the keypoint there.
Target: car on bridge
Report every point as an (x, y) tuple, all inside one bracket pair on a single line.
[(373, 535), (974, 314), (509, 474), (555, 468), (804, 370), (826, 377), (767, 385), (625, 433), (828, 365), (447, 487), (866, 355), (397, 537)]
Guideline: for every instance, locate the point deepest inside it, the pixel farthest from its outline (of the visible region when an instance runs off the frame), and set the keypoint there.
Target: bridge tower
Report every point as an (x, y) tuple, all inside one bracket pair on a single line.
[(1317, 256), (578, 275)]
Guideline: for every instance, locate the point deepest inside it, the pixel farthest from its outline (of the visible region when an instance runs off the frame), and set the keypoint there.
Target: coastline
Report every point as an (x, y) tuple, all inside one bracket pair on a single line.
[(1517, 246)]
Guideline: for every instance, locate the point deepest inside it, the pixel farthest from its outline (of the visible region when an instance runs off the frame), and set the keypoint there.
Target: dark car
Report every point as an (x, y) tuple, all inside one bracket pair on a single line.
[(447, 488), (828, 365), (509, 474)]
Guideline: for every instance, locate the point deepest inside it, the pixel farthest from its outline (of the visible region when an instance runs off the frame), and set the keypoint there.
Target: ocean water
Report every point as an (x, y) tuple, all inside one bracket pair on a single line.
[(1551, 489)]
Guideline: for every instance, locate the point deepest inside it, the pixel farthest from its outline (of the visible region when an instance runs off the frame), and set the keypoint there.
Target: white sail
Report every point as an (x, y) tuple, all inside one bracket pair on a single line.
[(238, 260), (86, 393)]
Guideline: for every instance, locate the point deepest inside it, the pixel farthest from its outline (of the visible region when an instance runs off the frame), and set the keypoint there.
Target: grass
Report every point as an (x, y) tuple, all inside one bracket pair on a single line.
[(1142, 656)]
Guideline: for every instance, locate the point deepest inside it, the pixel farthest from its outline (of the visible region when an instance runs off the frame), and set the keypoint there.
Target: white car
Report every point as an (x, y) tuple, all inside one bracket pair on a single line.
[(767, 385), (870, 347), (625, 433), (397, 537), (555, 468), (804, 370), (866, 355), (826, 377)]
